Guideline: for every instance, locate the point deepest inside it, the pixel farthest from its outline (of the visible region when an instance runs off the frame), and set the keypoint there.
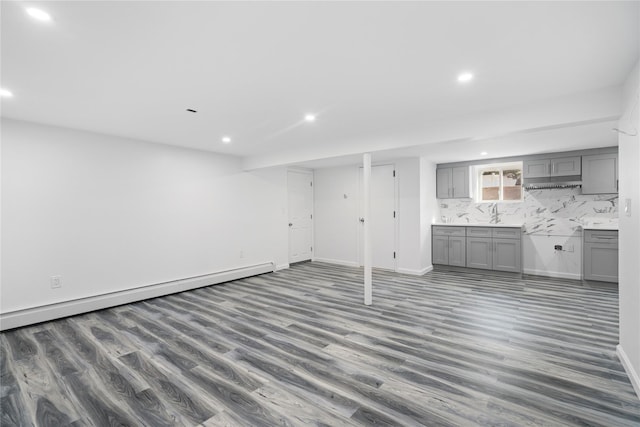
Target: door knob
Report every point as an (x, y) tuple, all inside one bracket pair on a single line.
[(290, 224), (362, 220)]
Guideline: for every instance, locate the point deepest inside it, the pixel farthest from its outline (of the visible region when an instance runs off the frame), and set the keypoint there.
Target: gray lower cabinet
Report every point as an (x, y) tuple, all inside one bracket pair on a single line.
[(480, 252), (500, 250), (506, 255), (488, 248), (457, 254), (600, 255), (448, 246)]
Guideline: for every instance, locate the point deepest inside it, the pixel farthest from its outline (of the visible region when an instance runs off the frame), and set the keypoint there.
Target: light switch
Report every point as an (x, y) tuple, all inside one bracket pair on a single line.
[(627, 207)]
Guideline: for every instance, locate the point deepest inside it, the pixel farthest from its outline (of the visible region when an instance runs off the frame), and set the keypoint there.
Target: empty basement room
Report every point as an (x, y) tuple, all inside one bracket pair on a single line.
[(320, 213)]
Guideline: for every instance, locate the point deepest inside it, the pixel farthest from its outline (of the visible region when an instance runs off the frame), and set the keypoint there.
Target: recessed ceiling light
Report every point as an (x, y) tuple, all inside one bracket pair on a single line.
[(5, 93), (38, 14), (465, 77), (309, 118), (226, 139), (484, 153)]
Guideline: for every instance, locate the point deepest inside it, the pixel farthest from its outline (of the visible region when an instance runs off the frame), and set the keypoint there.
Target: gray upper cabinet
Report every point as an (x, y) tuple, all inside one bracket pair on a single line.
[(443, 183), (561, 166), (566, 166), (536, 168), (460, 181), (600, 174), (452, 183)]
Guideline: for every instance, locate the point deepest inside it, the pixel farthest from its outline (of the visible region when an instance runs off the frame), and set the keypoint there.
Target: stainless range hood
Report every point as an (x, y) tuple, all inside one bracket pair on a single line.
[(574, 181)]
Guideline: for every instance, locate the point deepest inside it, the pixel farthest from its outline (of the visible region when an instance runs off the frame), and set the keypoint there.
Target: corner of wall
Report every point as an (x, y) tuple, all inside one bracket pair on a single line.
[(629, 223), (428, 209), (634, 377)]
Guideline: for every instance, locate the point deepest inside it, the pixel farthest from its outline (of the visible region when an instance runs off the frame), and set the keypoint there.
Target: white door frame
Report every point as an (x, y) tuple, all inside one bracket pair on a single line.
[(313, 213), (396, 230)]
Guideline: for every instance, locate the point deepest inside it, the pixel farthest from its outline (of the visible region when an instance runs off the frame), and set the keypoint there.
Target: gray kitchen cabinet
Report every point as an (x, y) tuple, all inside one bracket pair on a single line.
[(480, 252), (566, 166), (452, 183), (440, 250), (487, 248), (600, 174), (448, 246), (600, 255), (460, 182), (506, 255), (561, 166), (443, 183), (457, 252), (494, 248), (506, 233), (536, 168)]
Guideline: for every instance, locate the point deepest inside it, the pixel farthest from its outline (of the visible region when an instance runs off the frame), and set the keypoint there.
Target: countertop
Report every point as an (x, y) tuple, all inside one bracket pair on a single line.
[(479, 224), (613, 227)]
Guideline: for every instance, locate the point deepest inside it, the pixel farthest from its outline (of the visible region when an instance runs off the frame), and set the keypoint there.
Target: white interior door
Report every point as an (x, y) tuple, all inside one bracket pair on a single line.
[(383, 218), (300, 189)]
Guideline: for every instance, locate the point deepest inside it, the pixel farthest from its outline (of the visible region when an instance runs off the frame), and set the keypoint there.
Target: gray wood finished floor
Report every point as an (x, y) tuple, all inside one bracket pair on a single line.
[(297, 347)]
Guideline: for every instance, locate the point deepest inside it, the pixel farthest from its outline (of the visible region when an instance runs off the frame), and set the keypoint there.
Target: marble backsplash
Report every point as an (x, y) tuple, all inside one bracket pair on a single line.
[(559, 212)]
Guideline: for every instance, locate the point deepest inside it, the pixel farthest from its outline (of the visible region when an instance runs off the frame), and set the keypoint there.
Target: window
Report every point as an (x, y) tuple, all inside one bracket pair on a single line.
[(499, 182)]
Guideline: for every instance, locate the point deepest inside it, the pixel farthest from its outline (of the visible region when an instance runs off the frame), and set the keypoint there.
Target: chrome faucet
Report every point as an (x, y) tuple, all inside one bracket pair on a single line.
[(494, 213)]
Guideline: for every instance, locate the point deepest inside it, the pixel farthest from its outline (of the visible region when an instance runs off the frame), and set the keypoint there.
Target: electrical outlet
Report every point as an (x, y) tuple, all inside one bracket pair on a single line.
[(56, 282)]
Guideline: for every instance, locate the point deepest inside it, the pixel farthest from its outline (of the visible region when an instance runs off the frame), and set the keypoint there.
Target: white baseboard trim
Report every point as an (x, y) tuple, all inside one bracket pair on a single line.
[(415, 272), (634, 376), (337, 261), (558, 274), (29, 316), (281, 267)]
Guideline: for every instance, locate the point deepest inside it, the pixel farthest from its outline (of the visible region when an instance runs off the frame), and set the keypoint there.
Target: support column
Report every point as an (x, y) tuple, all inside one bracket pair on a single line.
[(368, 290)]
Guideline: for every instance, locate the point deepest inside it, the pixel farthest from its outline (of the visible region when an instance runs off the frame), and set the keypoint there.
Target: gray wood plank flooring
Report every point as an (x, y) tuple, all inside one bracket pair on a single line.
[(298, 347)]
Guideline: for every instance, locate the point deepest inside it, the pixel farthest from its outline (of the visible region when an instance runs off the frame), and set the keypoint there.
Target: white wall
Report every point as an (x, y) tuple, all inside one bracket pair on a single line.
[(110, 214), (629, 246), (540, 258), (429, 210), (336, 215), (408, 177)]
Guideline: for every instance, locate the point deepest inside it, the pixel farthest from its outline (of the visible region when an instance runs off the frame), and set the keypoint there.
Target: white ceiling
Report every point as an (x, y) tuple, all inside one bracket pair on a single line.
[(372, 71)]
